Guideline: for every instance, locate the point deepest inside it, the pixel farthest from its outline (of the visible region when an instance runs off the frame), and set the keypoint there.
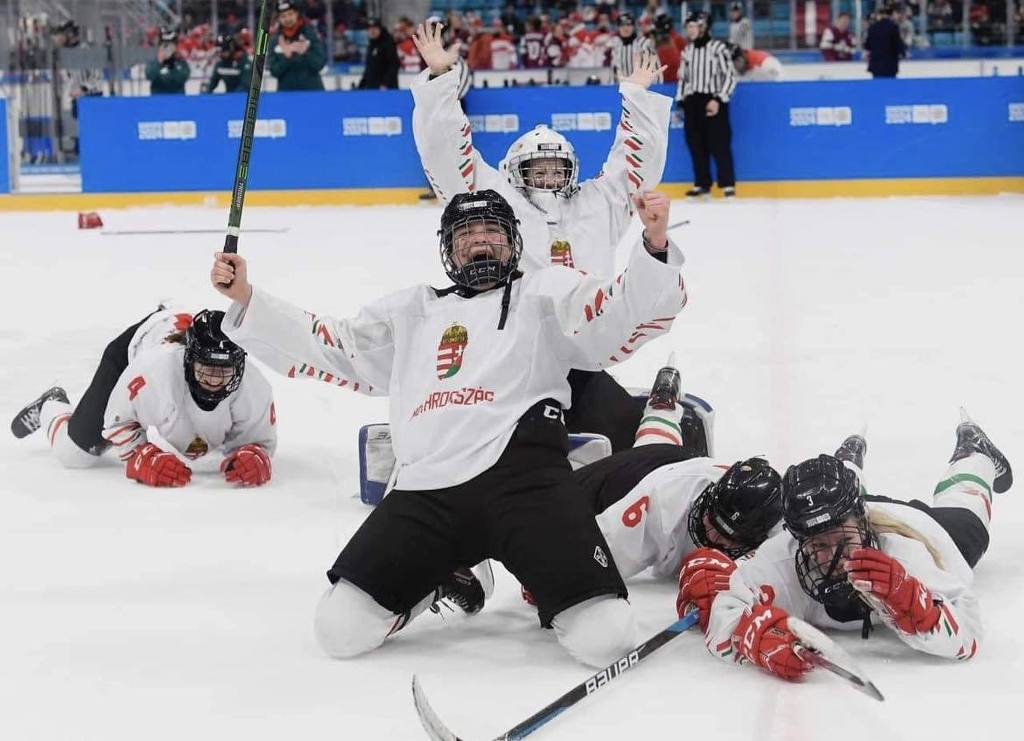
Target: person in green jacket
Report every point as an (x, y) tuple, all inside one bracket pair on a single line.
[(233, 67), (167, 73), (297, 52)]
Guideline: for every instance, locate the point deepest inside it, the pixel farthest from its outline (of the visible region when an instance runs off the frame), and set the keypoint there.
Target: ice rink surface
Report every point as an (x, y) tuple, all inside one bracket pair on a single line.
[(136, 613)]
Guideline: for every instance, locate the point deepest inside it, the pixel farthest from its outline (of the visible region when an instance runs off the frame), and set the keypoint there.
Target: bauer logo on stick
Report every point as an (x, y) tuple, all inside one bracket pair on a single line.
[(450, 351)]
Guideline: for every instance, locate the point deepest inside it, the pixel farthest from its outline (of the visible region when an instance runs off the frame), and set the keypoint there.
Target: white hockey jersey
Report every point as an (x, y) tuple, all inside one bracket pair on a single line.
[(458, 385), (152, 392), (155, 330), (648, 526), (581, 232), (955, 636)]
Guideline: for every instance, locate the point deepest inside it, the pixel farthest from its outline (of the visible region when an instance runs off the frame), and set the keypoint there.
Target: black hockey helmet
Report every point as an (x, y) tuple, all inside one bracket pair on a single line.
[(207, 345), (699, 17), (663, 23), (823, 508), (484, 208), (742, 506), (626, 19), (168, 35)]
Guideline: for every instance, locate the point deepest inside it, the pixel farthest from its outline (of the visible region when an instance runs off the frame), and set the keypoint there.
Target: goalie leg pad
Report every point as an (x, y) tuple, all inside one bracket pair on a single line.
[(376, 462)]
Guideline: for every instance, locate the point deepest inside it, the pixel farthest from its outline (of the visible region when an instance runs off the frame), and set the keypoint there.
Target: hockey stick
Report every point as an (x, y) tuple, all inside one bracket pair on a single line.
[(438, 731), (678, 224), (252, 101), (817, 649)]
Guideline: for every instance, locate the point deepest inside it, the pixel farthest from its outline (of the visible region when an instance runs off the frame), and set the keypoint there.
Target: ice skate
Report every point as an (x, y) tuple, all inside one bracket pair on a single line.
[(970, 439), (853, 449), (666, 389), (27, 420), (462, 590)]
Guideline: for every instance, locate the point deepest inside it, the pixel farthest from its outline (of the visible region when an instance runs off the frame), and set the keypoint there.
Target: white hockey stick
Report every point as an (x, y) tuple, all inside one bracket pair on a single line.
[(818, 649)]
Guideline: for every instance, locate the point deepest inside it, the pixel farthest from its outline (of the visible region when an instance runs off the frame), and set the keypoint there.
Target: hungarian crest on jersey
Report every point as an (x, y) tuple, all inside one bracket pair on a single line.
[(450, 351), (561, 253)]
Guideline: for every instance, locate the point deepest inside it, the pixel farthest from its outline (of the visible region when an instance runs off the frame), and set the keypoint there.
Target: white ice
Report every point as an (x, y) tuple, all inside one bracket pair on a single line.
[(134, 613)]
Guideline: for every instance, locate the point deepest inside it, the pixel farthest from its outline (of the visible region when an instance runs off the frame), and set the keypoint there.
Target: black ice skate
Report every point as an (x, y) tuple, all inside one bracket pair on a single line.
[(853, 449), (697, 192), (666, 389), (462, 590), (729, 192), (27, 420), (972, 439)]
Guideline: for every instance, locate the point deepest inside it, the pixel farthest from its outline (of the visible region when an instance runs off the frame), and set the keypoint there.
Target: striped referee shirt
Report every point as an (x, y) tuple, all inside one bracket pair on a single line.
[(707, 69), (622, 54)]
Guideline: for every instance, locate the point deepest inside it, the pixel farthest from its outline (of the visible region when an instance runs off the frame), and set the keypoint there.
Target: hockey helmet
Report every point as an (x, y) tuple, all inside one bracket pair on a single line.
[(207, 347), (742, 507), (469, 221), (542, 161), (823, 508)]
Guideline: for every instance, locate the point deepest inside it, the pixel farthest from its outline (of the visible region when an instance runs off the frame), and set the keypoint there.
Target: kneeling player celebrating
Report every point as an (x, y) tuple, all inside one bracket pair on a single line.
[(176, 373), (477, 379), (848, 556)]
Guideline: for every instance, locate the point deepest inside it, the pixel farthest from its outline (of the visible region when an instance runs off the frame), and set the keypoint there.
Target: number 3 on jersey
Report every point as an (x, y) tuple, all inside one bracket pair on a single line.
[(635, 512), (135, 386)]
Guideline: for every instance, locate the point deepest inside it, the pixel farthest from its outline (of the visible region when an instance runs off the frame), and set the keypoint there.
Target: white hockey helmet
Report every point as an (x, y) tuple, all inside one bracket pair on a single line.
[(542, 161)]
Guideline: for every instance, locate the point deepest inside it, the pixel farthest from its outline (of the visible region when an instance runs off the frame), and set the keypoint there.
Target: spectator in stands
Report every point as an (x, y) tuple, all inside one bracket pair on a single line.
[(980, 20), (741, 30), (382, 62), (297, 53), (167, 73), (455, 30), (707, 80), (556, 46), (755, 65), (837, 41), (940, 16), (531, 45), (883, 46), (480, 48), (511, 23), (628, 46), (669, 53), (503, 48), (603, 38), (233, 66), (905, 22), (408, 58)]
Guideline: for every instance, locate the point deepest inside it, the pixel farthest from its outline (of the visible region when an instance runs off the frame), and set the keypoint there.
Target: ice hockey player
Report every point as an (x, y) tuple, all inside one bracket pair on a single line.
[(848, 556), (477, 378), (176, 373), (564, 222), (661, 502)]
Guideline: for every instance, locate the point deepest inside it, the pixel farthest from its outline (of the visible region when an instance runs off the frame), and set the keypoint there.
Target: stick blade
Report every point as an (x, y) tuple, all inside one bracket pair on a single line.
[(432, 724), (818, 649)]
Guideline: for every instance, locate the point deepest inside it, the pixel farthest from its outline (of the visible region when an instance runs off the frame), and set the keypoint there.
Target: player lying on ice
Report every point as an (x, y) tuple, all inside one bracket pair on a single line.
[(476, 375), (847, 557), (563, 221), (176, 373)]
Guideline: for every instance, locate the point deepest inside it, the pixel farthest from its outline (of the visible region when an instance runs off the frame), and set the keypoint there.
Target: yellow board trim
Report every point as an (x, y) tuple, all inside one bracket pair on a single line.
[(403, 196)]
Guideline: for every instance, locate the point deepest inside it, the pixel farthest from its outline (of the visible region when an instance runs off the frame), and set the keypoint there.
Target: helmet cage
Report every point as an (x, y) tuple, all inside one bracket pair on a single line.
[(819, 562), (521, 166), (482, 272)]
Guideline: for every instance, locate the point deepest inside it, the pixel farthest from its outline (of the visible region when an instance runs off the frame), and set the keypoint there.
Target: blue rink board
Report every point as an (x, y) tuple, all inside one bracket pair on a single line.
[(921, 128)]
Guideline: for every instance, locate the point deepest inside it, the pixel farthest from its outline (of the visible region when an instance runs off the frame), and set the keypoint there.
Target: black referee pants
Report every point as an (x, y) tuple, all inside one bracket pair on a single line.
[(707, 137)]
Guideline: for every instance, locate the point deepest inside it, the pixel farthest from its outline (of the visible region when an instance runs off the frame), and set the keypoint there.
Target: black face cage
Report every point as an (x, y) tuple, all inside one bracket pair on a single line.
[(699, 532), (234, 359), (819, 567), (522, 172), (482, 272)]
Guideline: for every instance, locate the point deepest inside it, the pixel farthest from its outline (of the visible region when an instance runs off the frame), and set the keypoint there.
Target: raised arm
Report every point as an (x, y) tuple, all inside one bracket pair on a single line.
[(637, 157), (606, 320), (355, 352), (444, 138)]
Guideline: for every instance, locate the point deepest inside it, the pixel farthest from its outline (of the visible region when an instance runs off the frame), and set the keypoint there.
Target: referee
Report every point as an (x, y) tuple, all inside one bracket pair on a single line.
[(626, 46), (707, 81)]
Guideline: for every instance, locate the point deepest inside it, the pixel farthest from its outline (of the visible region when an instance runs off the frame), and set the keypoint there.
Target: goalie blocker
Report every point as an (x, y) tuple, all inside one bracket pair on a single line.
[(377, 459)]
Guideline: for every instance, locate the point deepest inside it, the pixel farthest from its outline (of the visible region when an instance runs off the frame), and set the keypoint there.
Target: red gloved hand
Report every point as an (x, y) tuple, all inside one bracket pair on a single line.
[(248, 466), (152, 466), (704, 574), (763, 637), (911, 605)]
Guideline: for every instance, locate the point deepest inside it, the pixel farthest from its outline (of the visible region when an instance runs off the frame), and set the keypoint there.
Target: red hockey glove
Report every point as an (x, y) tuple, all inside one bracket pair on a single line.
[(153, 467), (910, 604), (704, 574), (764, 638), (248, 466)]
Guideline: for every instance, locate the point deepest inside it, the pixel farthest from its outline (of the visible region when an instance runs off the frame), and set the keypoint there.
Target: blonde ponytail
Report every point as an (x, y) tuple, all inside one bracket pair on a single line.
[(881, 522)]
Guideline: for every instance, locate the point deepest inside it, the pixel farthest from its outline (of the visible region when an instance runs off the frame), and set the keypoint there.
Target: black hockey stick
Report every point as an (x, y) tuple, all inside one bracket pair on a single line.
[(438, 731), (252, 101), (817, 649), (137, 232)]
